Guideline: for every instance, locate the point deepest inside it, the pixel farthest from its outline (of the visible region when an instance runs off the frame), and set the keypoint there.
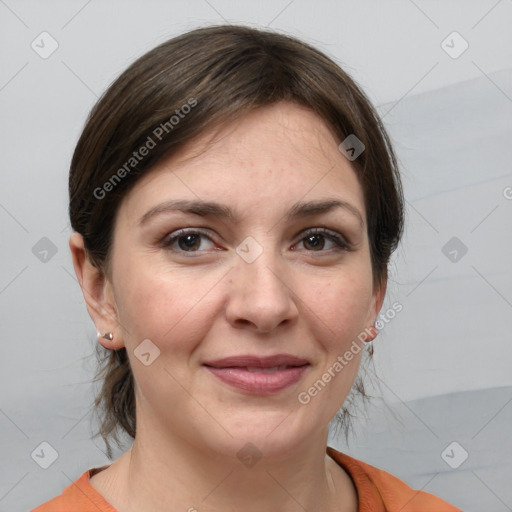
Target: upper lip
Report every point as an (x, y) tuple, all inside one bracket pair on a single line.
[(257, 361)]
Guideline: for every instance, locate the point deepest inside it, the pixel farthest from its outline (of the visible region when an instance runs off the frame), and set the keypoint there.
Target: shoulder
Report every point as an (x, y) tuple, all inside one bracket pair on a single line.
[(79, 496), (377, 488)]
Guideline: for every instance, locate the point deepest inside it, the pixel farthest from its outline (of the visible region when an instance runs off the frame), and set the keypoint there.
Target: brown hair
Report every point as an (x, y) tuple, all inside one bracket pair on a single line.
[(220, 73)]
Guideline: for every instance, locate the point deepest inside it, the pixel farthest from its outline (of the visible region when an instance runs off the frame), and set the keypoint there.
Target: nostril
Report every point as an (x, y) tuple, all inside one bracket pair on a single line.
[(243, 322)]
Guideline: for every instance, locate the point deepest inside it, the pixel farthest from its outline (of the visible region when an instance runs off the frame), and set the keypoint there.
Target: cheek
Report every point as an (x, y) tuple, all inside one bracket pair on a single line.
[(342, 305), (168, 307), (338, 313)]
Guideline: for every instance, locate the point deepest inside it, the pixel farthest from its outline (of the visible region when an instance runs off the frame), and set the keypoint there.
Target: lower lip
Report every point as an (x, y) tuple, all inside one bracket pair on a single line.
[(259, 383)]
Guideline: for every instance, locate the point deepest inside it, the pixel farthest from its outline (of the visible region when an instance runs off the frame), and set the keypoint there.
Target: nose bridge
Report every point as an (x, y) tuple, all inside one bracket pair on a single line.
[(262, 275), (259, 293)]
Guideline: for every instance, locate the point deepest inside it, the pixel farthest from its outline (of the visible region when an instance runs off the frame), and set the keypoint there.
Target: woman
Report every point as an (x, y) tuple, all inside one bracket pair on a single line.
[(235, 201)]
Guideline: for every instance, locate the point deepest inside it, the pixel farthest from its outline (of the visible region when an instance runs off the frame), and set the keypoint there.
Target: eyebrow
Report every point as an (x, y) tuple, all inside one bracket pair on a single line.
[(301, 209)]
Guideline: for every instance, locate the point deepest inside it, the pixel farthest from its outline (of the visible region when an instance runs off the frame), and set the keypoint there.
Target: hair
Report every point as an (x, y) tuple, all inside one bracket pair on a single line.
[(194, 83)]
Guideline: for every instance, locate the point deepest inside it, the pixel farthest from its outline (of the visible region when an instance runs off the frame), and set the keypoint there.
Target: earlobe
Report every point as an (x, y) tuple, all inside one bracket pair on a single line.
[(95, 287), (107, 340), (372, 333)]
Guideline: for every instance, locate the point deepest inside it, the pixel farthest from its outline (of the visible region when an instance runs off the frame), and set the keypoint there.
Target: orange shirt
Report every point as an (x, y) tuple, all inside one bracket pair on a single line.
[(377, 490)]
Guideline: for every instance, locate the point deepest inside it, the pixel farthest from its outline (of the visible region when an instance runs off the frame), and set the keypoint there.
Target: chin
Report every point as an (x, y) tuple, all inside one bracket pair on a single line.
[(272, 434)]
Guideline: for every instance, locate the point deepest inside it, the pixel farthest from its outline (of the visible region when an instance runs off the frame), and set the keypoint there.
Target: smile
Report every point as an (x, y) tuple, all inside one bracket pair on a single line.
[(257, 375)]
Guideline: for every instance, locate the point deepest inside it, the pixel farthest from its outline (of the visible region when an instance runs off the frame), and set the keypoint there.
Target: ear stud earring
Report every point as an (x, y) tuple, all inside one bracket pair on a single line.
[(108, 336)]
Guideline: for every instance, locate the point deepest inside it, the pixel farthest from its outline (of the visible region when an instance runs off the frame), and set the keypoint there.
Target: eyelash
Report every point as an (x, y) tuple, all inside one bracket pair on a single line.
[(341, 243)]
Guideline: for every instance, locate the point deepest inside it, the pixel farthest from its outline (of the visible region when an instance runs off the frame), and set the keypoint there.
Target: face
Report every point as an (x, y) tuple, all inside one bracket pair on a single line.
[(224, 299)]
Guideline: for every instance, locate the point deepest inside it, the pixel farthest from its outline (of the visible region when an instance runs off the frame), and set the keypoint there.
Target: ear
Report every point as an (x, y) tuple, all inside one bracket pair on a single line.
[(379, 292), (98, 294)]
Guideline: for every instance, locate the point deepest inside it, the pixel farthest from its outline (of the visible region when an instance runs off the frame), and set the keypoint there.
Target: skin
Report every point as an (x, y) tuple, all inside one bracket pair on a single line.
[(301, 296)]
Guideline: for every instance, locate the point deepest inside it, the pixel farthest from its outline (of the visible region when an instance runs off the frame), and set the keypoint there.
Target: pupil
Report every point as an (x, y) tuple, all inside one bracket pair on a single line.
[(313, 237), (190, 242)]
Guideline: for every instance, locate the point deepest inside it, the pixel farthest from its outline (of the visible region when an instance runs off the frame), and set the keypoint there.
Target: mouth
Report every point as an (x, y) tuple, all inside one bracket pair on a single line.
[(259, 375)]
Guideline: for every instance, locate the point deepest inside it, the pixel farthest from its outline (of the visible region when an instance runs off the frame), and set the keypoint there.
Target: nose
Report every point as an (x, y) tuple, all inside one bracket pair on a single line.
[(259, 296)]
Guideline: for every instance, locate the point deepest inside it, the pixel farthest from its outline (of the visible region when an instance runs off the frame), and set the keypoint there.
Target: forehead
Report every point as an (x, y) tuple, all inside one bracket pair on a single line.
[(274, 156), (282, 124)]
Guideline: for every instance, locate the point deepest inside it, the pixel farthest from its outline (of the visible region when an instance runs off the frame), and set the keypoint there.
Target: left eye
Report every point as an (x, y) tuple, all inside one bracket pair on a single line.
[(316, 238)]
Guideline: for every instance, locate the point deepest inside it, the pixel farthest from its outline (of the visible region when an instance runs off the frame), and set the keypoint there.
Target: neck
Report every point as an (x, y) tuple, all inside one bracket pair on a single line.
[(170, 474)]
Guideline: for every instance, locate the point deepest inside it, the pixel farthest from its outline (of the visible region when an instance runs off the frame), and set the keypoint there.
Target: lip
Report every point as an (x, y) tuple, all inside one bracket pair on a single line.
[(257, 361), (258, 375)]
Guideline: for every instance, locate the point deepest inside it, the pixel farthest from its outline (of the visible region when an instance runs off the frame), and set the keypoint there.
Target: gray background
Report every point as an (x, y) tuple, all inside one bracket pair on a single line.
[(443, 364)]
